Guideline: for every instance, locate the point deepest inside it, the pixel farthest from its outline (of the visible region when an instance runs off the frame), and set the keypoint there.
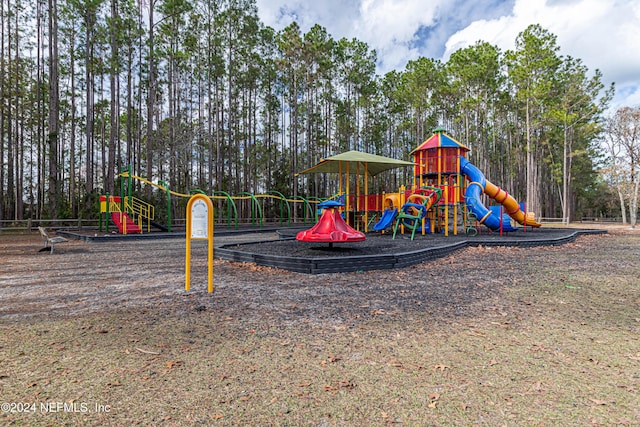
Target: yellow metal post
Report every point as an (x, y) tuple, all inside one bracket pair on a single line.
[(346, 198), (340, 178), (356, 223), (446, 210), (455, 217), (402, 202), (366, 198)]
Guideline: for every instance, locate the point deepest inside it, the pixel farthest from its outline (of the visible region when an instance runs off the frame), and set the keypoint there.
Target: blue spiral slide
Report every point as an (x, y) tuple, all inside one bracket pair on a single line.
[(475, 189)]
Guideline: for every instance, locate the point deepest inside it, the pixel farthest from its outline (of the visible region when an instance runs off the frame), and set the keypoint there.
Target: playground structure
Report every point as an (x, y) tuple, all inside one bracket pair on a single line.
[(441, 166), (130, 214), (446, 194), (444, 197), (121, 210), (441, 163)]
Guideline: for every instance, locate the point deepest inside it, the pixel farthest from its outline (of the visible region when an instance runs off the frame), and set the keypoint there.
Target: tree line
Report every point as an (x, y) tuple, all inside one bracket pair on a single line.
[(201, 94)]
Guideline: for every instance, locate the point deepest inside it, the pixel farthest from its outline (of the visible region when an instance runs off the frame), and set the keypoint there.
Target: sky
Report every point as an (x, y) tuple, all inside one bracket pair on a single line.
[(604, 34)]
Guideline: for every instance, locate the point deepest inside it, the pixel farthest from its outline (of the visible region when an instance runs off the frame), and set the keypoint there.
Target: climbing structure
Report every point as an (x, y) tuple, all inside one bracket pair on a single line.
[(438, 165), (415, 210)]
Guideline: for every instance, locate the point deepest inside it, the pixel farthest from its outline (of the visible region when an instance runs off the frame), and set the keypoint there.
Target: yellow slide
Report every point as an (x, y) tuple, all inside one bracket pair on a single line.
[(511, 206)]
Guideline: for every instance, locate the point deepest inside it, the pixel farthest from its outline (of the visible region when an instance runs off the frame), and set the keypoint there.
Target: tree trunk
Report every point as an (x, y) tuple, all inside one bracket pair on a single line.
[(3, 72), (113, 89), (151, 95), (565, 176), (72, 143), (530, 163), (89, 83), (54, 113), (633, 203)]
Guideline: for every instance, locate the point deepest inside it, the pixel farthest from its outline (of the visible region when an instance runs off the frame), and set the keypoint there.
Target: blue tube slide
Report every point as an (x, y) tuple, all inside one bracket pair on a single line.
[(472, 196)]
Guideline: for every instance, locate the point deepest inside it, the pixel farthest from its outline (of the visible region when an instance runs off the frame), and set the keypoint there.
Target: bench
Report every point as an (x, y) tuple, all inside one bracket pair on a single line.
[(49, 241)]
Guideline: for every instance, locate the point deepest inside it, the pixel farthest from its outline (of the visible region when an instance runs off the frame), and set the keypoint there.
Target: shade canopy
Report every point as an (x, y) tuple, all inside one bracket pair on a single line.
[(356, 161)]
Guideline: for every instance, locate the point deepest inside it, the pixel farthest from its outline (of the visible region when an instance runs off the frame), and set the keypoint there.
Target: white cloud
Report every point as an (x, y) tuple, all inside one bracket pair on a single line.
[(390, 27), (627, 95), (388, 21), (605, 34), (338, 17)]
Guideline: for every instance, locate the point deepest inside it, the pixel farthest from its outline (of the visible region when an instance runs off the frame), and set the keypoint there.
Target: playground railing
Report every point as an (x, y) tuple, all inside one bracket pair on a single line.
[(551, 220), (600, 219), (140, 209)]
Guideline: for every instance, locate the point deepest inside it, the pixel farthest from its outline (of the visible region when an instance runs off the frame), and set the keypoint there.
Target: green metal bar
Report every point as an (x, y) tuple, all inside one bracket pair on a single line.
[(372, 220), (107, 215), (315, 211), (436, 190), (282, 199), (258, 208), (229, 206), (166, 188), (306, 205)]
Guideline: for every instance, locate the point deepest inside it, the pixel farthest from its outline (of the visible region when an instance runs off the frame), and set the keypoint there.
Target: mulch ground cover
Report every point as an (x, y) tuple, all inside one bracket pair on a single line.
[(376, 244)]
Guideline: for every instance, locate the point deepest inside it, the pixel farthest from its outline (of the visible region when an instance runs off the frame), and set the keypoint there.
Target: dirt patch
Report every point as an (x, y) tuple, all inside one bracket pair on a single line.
[(86, 277), (488, 336)]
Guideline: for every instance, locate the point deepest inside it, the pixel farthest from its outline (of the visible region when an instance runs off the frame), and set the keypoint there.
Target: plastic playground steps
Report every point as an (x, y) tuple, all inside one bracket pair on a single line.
[(386, 220), (411, 214), (331, 228), (121, 218), (478, 185)]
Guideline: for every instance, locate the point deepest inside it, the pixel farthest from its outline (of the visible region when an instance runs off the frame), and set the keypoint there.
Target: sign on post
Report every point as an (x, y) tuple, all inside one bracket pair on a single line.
[(199, 227)]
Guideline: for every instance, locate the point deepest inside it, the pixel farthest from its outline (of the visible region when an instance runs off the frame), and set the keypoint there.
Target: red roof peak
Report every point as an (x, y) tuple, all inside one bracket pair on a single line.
[(440, 139)]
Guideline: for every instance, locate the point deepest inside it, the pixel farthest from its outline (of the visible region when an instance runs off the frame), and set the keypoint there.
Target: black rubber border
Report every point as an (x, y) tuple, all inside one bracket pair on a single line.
[(239, 252)]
